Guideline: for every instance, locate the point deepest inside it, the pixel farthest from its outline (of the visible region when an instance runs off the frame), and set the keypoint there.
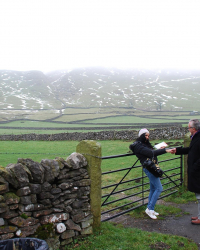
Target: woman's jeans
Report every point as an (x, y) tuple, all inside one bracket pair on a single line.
[(155, 189)]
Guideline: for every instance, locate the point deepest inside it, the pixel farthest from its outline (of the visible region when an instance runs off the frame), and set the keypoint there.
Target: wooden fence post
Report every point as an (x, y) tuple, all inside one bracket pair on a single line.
[(91, 150)]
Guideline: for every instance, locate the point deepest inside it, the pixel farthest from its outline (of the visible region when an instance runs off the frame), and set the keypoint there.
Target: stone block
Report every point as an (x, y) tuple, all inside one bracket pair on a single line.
[(87, 223), (6, 236), (1, 199), (3, 207), (40, 213), (54, 218), (11, 198), (21, 222), (82, 183), (67, 234), (66, 185), (23, 191), (2, 222), (25, 200), (4, 188), (76, 161), (13, 206), (9, 214), (35, 188), (60, 228), (53, 243), (20, 173), (66, 242), (72, 226), (33, 207), (27, 231), (55, 191), (45, 195), (46, 187), (87, 231), (7, 229), (35, 168), (33, 198)]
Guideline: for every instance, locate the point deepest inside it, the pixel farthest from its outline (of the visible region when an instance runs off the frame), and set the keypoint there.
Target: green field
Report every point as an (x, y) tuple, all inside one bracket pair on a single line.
[(35, 150), (73, 117), (142, 120), (96, 122), (38, 150)]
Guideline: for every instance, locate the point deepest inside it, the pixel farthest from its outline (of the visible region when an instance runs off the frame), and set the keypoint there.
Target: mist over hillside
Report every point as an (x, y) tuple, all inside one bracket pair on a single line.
[(164, 90)]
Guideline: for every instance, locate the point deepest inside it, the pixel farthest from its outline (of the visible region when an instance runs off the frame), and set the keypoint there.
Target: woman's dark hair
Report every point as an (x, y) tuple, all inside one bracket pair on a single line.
[(143, 139)]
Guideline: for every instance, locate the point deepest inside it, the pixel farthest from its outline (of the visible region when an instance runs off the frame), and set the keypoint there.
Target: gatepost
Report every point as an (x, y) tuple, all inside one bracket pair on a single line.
[(91, 150)]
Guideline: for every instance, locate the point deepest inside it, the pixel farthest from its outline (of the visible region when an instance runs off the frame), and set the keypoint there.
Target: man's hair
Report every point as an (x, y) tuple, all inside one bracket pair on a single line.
[(195, 123)]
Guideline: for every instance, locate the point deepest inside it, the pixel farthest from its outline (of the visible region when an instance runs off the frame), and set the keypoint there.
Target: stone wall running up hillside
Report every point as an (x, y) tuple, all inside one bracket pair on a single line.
[(167, 133)]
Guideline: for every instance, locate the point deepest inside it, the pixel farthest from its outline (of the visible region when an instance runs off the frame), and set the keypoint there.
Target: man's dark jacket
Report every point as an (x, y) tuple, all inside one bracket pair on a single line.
[(193, 162)]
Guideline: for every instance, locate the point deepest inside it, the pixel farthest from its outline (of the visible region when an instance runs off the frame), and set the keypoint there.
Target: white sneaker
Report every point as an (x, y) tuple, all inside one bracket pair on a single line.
[(155, 213), (150, 213)]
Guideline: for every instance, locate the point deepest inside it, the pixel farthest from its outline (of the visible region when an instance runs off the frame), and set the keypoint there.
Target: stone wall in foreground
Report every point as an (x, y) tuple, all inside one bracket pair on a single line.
[(167, 133), (47, 200)]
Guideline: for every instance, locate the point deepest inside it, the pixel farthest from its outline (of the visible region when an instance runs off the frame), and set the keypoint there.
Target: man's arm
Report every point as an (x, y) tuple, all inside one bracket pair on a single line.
[(183, 151)]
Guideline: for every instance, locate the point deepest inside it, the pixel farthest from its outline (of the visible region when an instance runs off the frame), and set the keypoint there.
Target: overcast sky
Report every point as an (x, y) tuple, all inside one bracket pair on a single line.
[(60, 34)]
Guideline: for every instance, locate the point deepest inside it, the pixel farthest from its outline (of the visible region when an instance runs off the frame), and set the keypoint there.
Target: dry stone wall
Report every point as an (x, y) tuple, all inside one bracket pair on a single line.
[(48, 200), (167, 133)]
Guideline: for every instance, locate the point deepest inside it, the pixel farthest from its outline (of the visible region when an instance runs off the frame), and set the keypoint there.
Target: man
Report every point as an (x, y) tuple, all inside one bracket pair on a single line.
[(193, 162)]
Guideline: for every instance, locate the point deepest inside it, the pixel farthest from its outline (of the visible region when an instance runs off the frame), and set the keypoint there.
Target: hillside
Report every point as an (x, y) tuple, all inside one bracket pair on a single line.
[(84, 88)]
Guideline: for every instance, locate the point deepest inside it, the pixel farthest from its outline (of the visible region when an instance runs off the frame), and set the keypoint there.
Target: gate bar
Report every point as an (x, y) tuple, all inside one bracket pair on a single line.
[(115, 156), (120, 182)]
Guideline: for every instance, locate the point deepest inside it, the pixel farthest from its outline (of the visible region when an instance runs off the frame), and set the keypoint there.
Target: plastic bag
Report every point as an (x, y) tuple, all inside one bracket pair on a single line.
[(23, 244)]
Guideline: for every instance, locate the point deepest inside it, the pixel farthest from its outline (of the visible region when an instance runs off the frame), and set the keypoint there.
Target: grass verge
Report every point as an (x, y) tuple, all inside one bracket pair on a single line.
[(111, 237), (161, 209), (183, 196)]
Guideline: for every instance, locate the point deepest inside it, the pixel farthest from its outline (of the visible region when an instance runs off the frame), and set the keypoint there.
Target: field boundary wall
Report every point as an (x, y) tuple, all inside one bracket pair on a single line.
[(49, 200), (167, 133)]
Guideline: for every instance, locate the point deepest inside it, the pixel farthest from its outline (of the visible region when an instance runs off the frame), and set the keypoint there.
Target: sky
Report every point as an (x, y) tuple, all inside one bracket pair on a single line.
[(49, 35)]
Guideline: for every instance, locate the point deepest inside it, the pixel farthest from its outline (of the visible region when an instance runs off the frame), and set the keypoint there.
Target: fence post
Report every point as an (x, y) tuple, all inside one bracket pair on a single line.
[(91, 150), (187, 141)]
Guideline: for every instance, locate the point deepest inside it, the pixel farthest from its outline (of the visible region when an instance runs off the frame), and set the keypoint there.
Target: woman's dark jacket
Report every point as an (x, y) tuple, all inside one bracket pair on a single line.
[(142, 151), (193, 162)]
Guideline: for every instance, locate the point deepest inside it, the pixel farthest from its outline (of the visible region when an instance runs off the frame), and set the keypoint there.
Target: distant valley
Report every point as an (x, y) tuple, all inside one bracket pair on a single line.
[(86, 88)]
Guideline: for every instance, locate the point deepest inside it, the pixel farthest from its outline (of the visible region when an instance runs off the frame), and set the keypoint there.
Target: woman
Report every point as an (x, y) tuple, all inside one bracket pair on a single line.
[(143, 150)]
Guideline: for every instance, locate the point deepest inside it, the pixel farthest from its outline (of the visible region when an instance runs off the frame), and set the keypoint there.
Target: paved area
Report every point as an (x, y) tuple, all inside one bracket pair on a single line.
[(181, 226)]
